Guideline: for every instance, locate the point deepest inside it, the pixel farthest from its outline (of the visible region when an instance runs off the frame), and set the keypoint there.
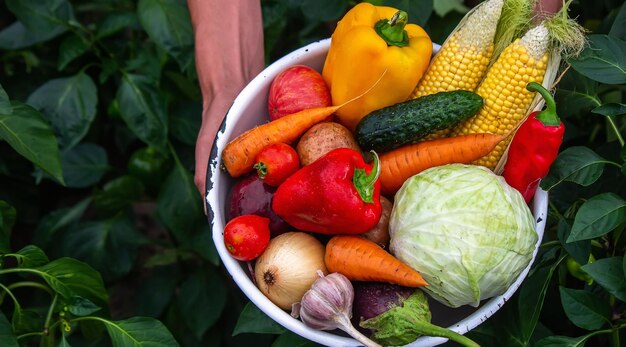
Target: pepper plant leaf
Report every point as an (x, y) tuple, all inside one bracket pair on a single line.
[(7, 336), (579, 250), (289, 339), (598, 216), (31, 136), (69, 104), (139, 332), (117, 195), (16, 36), (562, 341), (31, 256), (576, 93), (51, 17), (202, 300), (114, 22), (5, 103), (576, 164), (604, 60), (143, 109), (80, 307), (58, 220), (325, 10), (585, 309), (253, 320), (609, 273), (618, 29), (70, 277), (109, 245), (168, 24), (71, 48), (84, 165), (610, 109)]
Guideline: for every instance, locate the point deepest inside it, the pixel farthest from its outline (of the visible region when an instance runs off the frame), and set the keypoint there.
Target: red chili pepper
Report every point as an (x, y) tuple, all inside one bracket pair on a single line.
[(534, 146), (336, 194)]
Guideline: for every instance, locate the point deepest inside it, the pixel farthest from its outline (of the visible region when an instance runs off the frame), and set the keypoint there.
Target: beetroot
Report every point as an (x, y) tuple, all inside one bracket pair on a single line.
[(250, 195)]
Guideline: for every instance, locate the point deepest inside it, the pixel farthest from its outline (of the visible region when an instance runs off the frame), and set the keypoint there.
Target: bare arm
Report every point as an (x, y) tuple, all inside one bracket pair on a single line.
[(229, 53)]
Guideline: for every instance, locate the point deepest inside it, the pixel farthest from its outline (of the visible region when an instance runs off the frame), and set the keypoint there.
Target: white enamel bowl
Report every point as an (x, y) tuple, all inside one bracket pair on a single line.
[(248, 110)]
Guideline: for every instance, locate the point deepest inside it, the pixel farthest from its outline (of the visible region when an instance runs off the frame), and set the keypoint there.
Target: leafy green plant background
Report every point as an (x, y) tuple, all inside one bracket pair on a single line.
[(103, 239)]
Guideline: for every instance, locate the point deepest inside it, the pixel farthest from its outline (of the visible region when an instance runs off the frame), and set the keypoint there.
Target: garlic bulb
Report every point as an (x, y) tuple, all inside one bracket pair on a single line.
[(328, 305)]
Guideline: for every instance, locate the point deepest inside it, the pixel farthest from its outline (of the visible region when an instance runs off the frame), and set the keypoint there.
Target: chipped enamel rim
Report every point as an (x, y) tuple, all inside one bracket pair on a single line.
[(250, 109)]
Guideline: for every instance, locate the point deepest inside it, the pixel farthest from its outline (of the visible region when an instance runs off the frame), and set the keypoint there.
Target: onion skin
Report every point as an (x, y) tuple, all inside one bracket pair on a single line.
[(288, 267)]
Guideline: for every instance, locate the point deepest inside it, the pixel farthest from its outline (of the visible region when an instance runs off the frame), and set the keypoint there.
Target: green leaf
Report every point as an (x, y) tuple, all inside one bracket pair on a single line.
[(82, 307), (419, 10), (70, 277), (143, 109), (7, 220), (562, 341), (604, 60), (71, 48), (58, 220), (84, 165), (608, 273), (253, 320), (323, 11), (531, 298), (443, 7), (579, 250), (610, 109), (185, 121), (289, 339), (576, 164), (585, 309), (7, 336), (16, 36), (30, 136), (139, 332), (31, 256), (618, 29), (116, 21), (109, 245), (150, 302), (43, 16), (118, 194), (179, 205), (598, 216), (576, 93), (69, 104), (63, 342), (168, 24), (5, 103), (201, 300)]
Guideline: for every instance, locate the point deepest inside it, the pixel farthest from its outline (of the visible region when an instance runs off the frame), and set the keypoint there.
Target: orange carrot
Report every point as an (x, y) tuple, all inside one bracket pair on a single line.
[(398, 165), (238, 155), (360, 259)]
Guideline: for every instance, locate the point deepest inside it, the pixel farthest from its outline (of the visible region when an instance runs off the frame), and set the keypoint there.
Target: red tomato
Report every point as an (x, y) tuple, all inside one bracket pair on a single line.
[(247, 236), (276, 162)]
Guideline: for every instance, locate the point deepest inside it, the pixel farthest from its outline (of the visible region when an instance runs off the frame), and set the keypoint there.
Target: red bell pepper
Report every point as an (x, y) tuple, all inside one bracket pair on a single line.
[(339, 193), (534, 146)]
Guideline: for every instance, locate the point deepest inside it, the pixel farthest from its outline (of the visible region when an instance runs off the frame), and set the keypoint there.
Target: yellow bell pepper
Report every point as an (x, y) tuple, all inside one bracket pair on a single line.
[(369, 42)]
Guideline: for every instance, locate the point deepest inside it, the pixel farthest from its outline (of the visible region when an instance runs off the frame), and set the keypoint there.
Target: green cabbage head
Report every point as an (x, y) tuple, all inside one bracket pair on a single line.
[(465, 230)]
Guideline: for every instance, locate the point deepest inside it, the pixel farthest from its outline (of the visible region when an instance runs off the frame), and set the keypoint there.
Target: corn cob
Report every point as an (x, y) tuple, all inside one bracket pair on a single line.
[(464, 57), (504, 90)]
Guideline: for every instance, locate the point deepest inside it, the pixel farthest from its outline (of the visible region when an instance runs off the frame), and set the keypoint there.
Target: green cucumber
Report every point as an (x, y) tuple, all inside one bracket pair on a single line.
[(412, 120)]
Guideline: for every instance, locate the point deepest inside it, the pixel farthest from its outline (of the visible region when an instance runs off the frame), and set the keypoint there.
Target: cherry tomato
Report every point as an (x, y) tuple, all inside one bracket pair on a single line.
[(276, 162), (247, 236)]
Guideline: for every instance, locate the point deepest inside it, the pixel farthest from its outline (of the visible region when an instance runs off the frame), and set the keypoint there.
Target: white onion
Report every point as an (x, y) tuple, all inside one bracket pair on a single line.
[(288, 267)]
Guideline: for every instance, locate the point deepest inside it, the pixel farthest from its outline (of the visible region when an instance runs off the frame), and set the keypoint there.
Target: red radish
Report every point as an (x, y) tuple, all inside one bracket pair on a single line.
[(247, 236), (297, 88), (276, 162)]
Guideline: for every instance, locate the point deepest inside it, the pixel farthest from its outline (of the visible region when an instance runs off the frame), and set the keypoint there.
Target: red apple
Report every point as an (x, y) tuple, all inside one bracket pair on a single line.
[(297, 88)]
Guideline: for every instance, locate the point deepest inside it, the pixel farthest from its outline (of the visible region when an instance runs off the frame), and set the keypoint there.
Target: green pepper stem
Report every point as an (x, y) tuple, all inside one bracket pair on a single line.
[(392, 30), (364, 183), (548, 117), (261, 169)]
